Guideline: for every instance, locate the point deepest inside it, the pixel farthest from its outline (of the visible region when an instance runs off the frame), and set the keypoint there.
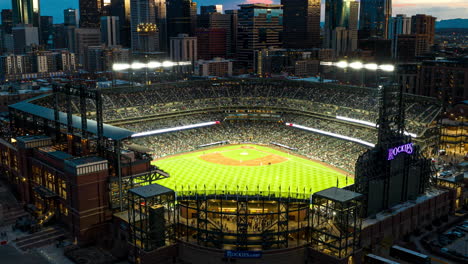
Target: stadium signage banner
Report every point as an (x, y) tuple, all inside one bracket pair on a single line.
[(393, 152), (242, 254)]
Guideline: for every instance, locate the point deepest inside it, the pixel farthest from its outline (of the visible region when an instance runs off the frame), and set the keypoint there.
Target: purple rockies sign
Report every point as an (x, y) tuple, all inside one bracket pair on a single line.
[(393, 152)]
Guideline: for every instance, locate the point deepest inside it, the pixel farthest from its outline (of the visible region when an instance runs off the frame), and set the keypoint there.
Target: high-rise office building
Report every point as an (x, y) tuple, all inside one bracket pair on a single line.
[(161, 22), (424, 24), (25, 36), (228, 22), (110, 30), (184, 48), (205, 10), (26, 12), (121, 9), (84, 38), (90, 12), (70, 17), (143, 24), (181, 17), (301, 19), (374, 18), (211, 43), (340, 33), (46, 30), (398, 25), (232, 33), (260, 26), (7, 20)]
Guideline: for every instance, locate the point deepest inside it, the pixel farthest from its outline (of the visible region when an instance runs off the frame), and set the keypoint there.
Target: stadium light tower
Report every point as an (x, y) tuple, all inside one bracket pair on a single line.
[(360, 66), (135, 66)]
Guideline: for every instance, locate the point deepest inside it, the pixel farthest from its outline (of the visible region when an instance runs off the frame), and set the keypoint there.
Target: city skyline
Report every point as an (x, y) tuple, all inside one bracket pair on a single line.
[(442, 9)]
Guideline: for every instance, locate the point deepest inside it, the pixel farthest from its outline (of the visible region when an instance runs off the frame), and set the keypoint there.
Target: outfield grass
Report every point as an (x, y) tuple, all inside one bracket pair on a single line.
[(296, 172)]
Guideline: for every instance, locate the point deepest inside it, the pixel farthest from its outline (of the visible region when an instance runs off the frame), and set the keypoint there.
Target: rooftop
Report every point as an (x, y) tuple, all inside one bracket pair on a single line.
[(84, 160), (338, 195), (111, 132), (152, 190)]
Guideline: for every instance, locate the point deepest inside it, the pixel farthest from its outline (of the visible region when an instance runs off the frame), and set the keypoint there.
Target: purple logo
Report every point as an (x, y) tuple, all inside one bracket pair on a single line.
[(393, 152)]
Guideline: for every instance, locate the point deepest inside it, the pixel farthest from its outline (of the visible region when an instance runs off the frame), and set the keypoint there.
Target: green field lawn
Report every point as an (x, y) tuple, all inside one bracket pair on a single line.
[(296, 173)]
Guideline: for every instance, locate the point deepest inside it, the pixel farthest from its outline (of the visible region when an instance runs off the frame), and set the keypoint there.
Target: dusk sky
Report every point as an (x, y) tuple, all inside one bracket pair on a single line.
[(442, 9)]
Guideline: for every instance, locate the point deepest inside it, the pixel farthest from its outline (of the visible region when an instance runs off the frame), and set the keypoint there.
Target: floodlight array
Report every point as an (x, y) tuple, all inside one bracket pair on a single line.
[(355, 140), (173, 129), (149, 65), (357, 65)]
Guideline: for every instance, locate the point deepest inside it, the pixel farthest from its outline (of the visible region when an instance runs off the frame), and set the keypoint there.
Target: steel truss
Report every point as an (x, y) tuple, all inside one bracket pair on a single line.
[(243, 221), (129, 182)]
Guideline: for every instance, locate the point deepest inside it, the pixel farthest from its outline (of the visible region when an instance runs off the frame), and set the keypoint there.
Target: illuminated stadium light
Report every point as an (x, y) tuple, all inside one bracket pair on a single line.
[(120, 66), (167, 64), (355, 140), (172, 129), (150, 65), (154, 64), (137, 65), (371, 66), (387, 67), (367, 123), (341, 64), (356, 65)]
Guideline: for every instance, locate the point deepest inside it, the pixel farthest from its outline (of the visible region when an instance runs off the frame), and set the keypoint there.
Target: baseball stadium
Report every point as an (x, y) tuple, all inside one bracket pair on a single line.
[(215, 168)]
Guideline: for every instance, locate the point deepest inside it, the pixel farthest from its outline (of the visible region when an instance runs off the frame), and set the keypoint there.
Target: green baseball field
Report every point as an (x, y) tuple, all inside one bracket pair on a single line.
[(248, 167)]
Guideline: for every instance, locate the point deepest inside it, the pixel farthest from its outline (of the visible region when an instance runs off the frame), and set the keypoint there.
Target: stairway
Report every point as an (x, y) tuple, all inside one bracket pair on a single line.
[(44, 237), (10, 215)]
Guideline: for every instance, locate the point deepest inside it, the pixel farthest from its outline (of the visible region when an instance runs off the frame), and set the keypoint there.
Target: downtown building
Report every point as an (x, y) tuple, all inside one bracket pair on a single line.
[(301, 20), (260, 27), (341, 21), (374, 18), (90, 13), (181, 17), (144, 29), (227, 21)]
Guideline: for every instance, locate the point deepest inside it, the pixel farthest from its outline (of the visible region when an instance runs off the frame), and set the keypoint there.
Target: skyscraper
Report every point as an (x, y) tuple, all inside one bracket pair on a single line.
[(161, 22), (25, 36), (424, 24), (399, 25), (211, 43), (341, 25), (46, 30), (260, 27), (121, 9), (143, 25), (301, 20), (110, 33), (90, 12), (205, 10), (181, 17), (184, 48), (70, 17), (26, 12), (374, 18), (7, 20)]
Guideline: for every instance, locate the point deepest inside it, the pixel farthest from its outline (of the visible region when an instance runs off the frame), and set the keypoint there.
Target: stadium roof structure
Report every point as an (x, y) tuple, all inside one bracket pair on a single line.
[(338, 195), (152, 190), (110, 132)]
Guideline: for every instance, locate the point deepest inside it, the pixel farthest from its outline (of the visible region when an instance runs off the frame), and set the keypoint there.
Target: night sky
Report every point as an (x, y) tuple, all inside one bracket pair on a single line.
[(442, 9)]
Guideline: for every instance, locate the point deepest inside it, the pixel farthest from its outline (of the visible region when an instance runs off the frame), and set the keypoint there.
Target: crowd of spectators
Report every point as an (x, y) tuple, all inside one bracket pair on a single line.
[(339, 153), (324, 99)]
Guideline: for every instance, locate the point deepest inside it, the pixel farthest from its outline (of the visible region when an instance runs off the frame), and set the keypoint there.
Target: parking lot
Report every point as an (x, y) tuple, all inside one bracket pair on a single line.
[(454, 241)]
